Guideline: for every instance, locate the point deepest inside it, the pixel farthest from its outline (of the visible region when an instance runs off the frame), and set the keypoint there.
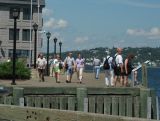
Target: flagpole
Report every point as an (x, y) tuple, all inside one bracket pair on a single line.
[(30, 58)]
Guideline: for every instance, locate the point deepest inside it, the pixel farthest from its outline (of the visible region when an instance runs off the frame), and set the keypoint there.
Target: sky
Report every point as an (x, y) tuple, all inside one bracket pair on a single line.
[(86, 24)]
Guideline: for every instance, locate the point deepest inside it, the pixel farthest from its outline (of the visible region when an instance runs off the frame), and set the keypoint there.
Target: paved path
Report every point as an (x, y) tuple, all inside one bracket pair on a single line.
[(88, 81)]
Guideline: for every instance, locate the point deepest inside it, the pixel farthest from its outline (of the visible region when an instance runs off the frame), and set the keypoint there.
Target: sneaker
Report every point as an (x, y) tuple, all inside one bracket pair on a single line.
[(68, 81)]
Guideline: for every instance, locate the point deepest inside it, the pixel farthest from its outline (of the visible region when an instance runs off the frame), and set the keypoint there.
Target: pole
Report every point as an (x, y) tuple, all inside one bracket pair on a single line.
[(47, 56), (30, 42), (14, 52), (54, 48), (35, 48), (60, 50)]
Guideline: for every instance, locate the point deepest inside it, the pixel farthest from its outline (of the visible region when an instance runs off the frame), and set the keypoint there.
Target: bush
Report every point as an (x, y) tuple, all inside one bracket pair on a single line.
[(22, 72)]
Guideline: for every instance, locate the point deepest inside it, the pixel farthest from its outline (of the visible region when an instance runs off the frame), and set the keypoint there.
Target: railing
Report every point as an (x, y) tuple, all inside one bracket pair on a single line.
[(134, 80), (130, 102)]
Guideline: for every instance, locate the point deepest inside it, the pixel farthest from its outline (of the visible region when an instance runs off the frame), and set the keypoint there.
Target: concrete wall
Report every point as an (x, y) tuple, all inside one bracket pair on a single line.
[(38, 114)]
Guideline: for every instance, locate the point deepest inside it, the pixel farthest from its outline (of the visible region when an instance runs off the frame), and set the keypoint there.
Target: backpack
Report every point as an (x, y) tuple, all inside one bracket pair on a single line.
[(106, 65), (60, 66), (113, 64)]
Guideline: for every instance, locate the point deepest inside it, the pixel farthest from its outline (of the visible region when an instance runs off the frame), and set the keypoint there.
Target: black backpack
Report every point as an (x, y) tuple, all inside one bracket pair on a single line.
[(106, 65), (60, 66), (113, 64)]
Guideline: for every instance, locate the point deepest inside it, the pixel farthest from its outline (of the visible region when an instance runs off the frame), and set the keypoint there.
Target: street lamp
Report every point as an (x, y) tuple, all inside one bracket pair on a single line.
[(15, 16), (35, 28), (55, 41), (48, 34), (60, 45)]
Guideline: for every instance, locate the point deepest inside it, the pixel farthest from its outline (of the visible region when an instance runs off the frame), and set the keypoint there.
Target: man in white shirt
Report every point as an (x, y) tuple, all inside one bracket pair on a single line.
[(96, 64), (41, 65), (109, 73), (69, 63), (119, 67)]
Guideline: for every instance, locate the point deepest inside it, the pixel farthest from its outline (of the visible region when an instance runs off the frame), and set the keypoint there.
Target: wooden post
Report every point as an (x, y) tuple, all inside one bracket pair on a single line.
[(17, 94), (154, 106), (144, 94), (132, 79), (157, 103), (149, 110), (81, 95), (144, 76)]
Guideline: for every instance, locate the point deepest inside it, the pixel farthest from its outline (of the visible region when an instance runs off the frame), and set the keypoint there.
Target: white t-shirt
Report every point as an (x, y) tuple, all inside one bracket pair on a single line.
[(110, 59), (41, 63), (119, 60), (70, 61), (56, 63)]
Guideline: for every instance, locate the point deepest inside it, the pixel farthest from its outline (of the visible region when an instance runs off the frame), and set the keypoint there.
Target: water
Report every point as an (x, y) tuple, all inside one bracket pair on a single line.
[(153, 77)]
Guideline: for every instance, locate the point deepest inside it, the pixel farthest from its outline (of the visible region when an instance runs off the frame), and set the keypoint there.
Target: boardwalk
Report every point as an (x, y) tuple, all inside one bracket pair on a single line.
[(95, 97), (88, 81)]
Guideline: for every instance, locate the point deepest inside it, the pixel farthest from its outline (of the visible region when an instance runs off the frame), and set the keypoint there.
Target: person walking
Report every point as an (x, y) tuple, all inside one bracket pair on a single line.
[(96, 65), (51, 60), (41, 65), (56, 68), (79, 67), (109, 72), (69, 64)]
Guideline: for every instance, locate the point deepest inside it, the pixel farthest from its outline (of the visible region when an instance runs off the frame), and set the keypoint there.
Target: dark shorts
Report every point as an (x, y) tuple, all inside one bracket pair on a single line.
[(127, 74), (117, 72)]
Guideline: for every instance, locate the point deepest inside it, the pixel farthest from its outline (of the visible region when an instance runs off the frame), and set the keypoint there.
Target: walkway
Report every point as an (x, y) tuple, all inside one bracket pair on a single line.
[(88, 81)]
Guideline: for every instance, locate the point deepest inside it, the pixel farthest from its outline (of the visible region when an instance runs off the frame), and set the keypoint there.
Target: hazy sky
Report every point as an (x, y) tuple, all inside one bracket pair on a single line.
[(85, 24)]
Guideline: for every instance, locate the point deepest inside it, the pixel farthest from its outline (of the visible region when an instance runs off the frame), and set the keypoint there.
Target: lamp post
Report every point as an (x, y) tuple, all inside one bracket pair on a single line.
[(48, 34), (15, 16), (60, 45), (55, 41), (35, 27)]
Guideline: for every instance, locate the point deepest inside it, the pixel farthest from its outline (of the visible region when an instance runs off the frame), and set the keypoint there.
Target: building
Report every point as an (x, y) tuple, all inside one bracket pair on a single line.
[(24, 23)]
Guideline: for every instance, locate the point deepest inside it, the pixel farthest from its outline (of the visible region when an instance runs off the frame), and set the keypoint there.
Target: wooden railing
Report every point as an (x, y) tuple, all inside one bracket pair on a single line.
[(130, 102)]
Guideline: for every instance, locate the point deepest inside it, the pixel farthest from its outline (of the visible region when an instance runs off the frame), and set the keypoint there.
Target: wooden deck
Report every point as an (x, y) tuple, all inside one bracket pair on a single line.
[(88, 81)]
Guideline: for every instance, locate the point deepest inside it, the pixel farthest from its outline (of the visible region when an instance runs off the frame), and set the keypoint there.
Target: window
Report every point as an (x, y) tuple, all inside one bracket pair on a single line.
[(19, 53), (11, 13), (26, 14), (11, 34), (26, 35)]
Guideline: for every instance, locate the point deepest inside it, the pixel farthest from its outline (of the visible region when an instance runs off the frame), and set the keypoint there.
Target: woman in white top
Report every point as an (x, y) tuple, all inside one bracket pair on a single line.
[(56, 68), (79, 67)]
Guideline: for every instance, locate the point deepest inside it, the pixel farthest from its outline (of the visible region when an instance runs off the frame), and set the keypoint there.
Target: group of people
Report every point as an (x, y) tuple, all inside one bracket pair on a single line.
[(70, 65), (119, 69)]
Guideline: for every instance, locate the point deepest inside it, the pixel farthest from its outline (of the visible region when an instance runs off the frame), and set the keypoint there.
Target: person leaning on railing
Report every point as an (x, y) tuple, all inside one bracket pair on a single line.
[(128, 68)]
